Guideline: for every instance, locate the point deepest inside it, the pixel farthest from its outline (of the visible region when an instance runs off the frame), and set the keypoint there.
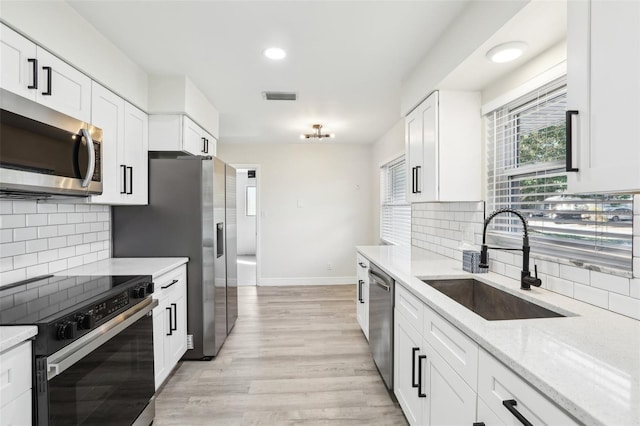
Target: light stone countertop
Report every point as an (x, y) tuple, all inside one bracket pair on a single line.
[(588, 362), (13, 335), (154, 266)]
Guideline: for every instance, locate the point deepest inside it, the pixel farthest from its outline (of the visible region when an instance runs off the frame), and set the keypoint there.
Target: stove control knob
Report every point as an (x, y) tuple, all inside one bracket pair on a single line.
[(139, 292), (150, 287), (67, 330), (86, 321)]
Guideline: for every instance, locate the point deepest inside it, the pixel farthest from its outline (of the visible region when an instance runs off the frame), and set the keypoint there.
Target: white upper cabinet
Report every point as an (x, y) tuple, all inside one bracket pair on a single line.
[(178, 133), (124, 148), (443, 146), (603, 86), (30, 71)]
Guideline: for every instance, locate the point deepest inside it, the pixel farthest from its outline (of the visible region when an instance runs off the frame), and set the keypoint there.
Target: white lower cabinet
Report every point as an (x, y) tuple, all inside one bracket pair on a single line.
[(15, 385), (169, 322), (362, 294), (442, 377)]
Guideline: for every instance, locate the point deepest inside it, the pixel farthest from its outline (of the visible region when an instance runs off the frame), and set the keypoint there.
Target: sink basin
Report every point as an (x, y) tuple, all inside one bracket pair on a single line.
[(489, 302)]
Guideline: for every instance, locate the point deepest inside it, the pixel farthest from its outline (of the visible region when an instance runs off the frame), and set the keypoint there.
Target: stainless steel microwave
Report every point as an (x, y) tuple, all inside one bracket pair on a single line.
[(44, 153)]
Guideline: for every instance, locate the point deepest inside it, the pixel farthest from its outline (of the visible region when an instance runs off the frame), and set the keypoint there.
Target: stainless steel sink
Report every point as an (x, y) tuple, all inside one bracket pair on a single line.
[(489, 302)]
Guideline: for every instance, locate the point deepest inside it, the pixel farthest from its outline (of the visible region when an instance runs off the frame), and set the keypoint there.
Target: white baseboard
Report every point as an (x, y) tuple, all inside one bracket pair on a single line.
[(307, 281)]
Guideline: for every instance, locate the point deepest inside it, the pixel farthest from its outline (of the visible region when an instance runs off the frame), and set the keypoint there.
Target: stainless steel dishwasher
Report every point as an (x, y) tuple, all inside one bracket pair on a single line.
[(381, 302)]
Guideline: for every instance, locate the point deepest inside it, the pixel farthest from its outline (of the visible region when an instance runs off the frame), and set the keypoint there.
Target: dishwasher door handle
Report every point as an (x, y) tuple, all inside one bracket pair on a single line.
[(381, 284)]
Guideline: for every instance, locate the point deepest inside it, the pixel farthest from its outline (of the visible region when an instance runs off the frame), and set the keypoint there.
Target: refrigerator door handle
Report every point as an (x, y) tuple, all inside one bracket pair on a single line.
[(219, 239)]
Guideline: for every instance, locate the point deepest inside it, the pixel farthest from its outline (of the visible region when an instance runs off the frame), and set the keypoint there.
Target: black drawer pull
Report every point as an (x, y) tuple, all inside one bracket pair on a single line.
[(362, 265), (48, 91), (124, 179), (169, 285), (511, 406), (414, 384), (170, 322), (34, 63), (175, 317), (420, 393), (569, 141)]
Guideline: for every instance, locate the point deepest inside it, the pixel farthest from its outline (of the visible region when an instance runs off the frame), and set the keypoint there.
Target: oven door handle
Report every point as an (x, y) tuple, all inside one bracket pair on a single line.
[(74, 352)]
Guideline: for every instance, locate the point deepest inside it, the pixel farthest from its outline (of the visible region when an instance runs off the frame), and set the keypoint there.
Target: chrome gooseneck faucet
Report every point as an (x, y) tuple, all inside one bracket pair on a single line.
[(526, 280)]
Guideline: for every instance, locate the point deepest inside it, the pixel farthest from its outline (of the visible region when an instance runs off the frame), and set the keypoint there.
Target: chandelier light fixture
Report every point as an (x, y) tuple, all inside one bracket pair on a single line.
[(317, 133)]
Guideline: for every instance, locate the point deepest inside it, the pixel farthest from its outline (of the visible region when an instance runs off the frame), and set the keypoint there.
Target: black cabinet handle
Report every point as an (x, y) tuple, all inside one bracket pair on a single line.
[(569, 141), (207, 151), (169, 285), (124, 179), (420, 393), (413, 180), (414, 384), (34, 63), (360, 282), (130, 191), (204, 145), (175, 317), (478, 424), (418, 190), (170, 324), (362, 265), (48, 91), (511, 406)]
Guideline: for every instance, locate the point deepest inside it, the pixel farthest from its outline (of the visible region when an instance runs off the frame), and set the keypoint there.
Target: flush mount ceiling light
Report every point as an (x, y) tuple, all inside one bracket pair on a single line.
[(506, 52), (275, 53), (318, 133)]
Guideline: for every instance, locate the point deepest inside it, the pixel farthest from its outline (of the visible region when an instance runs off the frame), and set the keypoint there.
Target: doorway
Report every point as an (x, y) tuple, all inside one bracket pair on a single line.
[(248, 223)]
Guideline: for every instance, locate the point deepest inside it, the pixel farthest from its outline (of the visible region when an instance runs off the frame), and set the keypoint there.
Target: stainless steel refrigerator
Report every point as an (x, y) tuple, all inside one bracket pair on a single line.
[(191, 213)]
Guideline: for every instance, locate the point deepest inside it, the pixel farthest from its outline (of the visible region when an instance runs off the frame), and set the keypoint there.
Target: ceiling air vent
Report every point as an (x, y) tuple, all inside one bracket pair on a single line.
[(279, 96)]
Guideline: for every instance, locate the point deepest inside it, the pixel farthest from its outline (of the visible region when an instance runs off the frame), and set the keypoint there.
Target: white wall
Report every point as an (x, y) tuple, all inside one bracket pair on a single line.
[(246, 224), (43, 238), (57, 26), (385, 149), (332, 185), (477, 22)]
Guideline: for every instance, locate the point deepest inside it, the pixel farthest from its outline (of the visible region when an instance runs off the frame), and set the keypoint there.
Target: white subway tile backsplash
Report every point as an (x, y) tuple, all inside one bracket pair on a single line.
[(83, 248), (82, 208), (57, 266), (591, 295), (90, 257), (48, 256), (13, 276), (47, 208), (24, 207), (74, 217), (6, 264), (72, 262), (66, 252), (36, 219), (90, 237), (572, 273), (12, 221), (625, 305), (57, 242), (6, 207), (23, 234), (33, 246), (89, 217), (6, 236), (439, 227), (57, 218), (610, 282), (66, 208), (37, 270), (25, 260), (81, 228), (12, 249), (47, 231), (66, 230)]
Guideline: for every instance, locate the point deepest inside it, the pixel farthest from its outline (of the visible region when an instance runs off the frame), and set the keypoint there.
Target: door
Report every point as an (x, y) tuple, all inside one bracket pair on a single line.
[(603, 65), (247, 223), (407, 344), (18, 63), (415, 152), (160, 330), (136, 147), (194, 141), (231, 248)]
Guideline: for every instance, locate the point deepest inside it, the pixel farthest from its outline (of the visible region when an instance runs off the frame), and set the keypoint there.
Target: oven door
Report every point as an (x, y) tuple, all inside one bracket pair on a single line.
[(103, 378)]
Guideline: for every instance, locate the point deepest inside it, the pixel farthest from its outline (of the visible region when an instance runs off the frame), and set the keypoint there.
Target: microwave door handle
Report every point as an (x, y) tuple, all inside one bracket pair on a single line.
[(92, 158)]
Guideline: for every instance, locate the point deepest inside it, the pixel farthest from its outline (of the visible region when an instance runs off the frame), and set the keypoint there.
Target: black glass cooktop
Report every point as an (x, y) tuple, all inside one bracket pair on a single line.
[(44, 299)]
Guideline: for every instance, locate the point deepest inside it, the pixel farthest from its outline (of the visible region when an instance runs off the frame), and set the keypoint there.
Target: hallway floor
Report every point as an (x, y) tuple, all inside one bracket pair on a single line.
[(296, 356)]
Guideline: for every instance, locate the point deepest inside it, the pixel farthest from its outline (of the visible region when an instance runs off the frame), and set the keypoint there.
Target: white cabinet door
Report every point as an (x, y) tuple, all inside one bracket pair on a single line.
[(178, 338), (160, 329), (407, 347), (439, 148), (136, 148), (107, 113), (194, 139), (449, 400), (211, 144), (362, 293), (18, 63), (415, 153), (603, 65), (62, 87)]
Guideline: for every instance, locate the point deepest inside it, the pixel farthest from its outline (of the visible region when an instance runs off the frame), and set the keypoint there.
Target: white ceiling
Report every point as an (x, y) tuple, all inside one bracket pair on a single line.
[(345, 59)]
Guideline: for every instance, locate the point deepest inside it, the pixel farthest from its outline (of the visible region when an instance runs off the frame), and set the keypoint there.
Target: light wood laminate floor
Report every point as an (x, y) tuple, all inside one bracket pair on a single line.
[(295, 356)]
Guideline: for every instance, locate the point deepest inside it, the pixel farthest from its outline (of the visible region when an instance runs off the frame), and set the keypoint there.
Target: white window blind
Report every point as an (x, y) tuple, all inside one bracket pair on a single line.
[(395, 211), (526, 171)]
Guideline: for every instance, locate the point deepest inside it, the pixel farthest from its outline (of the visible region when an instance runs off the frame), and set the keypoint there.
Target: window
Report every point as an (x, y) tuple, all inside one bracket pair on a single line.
[(526, 171), (395, 211)]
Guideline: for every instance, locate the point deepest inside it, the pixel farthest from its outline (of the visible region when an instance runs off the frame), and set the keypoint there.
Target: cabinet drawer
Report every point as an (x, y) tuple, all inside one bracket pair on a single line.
[(497, 383), (362, 264), (171, 281), (410, 306), (15, 372), (453, 345)]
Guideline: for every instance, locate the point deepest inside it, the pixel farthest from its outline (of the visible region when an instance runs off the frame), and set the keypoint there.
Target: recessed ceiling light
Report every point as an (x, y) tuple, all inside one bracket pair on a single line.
[(275, 53), (506, 52)]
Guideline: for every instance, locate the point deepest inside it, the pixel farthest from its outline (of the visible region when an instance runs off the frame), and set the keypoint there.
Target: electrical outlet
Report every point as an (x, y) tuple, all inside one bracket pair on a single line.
[(189, 341), (329, 266)]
